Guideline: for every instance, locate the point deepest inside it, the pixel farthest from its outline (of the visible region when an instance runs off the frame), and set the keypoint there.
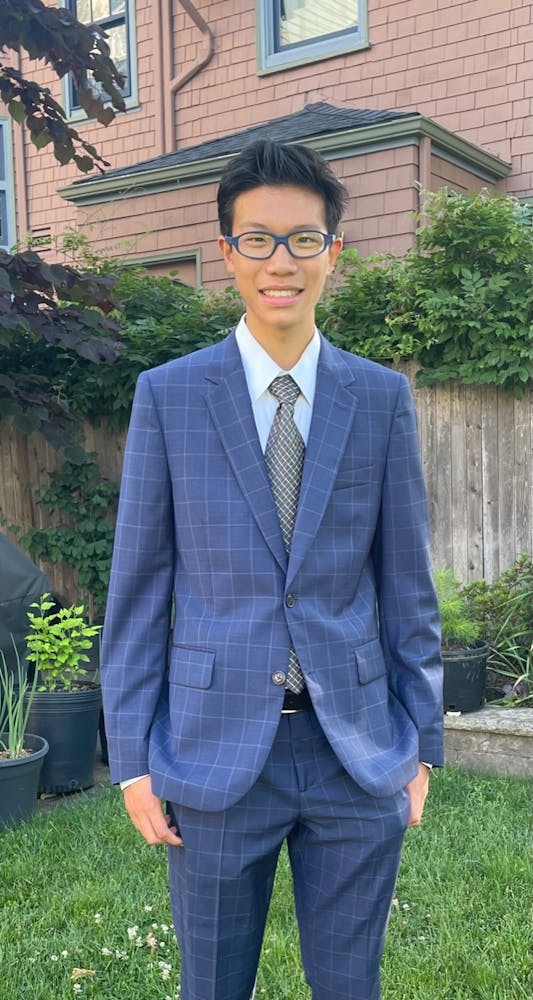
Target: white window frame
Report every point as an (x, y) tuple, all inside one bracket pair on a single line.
[(7, 185), (272, 60), (77, 114)]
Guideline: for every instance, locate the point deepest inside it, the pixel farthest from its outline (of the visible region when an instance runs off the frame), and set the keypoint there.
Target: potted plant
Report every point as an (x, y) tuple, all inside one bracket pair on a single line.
[(464, 654), (21, 753), (66, 705)]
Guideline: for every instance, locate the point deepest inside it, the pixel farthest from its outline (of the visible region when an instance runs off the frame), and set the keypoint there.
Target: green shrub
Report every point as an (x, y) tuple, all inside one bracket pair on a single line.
[(503, 611), (466, 291)]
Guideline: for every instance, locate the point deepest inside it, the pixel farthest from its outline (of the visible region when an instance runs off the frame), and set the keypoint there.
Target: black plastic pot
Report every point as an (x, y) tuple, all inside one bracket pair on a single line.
[(465, 677), (69, 722), (19, 782)]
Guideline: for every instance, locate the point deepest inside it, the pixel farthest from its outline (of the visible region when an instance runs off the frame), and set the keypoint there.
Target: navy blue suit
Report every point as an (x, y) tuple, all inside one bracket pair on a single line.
[(197, 521)]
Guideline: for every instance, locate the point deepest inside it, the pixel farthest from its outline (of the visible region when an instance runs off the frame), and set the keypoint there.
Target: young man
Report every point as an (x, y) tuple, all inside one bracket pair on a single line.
[(272, 490)]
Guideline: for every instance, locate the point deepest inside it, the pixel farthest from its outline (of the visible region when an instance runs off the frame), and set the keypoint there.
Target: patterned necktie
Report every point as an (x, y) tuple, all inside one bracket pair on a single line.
[(284, 456)]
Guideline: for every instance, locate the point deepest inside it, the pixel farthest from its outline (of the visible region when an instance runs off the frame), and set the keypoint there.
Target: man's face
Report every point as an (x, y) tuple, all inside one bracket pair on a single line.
[(280, 293)]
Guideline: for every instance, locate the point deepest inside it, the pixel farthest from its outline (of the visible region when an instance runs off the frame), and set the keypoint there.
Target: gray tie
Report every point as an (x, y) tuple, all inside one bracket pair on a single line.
[(284, 456)]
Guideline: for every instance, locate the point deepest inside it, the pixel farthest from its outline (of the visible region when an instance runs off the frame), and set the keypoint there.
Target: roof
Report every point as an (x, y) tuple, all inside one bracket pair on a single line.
[(334, 131), (312, 120)]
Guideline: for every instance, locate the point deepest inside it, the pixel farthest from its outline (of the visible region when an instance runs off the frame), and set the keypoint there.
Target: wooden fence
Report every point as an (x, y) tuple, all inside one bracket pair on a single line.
[(477, 447)]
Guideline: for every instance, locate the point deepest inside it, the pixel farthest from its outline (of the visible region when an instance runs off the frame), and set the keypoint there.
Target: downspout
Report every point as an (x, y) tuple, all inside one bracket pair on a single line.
[(179, 81)]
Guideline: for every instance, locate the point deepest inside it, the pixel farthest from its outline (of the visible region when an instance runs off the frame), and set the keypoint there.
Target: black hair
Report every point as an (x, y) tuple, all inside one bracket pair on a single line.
[(273, 164)]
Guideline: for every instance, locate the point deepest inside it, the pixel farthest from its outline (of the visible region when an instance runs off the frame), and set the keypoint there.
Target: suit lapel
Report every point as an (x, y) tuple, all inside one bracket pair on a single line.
[(229, 404), (333, 413)]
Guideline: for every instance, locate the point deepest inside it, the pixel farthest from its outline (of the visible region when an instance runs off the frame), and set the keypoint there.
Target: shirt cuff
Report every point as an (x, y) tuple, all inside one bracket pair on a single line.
[(131, 781)]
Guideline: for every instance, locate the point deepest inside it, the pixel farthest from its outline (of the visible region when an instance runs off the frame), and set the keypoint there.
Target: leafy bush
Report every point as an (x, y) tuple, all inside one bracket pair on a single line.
[(357, 313), (160, 319), (465, 293), (503, 611)]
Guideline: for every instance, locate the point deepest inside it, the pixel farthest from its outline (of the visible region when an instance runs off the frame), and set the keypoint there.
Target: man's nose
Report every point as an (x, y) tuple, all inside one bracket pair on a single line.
[(281, 259)]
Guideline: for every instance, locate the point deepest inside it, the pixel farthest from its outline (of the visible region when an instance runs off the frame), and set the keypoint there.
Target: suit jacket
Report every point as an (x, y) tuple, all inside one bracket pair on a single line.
[(197, 523)]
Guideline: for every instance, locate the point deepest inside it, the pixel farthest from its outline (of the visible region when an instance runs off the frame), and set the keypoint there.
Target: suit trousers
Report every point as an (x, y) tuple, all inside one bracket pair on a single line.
[(344, 848)]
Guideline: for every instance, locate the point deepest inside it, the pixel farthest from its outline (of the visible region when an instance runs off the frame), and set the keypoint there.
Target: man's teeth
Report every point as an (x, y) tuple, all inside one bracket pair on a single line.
[(278, 293)]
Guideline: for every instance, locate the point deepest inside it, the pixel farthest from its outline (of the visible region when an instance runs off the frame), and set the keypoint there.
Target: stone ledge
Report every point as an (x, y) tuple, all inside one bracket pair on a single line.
[(492, 741)]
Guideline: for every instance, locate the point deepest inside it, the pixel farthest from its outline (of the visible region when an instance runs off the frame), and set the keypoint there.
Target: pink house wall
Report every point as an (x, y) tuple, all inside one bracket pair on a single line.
[(468, 65)]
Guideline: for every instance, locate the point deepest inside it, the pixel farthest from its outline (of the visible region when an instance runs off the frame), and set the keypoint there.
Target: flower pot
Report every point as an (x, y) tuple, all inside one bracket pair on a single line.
[(19, 782), (465, 674), (69, 722)]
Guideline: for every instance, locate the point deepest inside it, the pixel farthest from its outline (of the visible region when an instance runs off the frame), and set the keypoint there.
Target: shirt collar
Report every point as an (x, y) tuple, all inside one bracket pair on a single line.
[(260, 369)]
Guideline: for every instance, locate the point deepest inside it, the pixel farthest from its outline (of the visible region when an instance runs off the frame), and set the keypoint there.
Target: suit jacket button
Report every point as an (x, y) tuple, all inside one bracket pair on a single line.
[(279, 677), (290, 600)]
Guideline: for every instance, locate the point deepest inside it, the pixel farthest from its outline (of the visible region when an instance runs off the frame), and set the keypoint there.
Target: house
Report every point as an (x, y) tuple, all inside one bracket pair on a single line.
[(404, 96)]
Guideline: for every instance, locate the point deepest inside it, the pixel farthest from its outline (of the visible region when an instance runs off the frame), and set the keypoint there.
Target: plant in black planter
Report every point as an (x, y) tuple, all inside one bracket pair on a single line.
[(66, 705), (464, 654), (21, 752)]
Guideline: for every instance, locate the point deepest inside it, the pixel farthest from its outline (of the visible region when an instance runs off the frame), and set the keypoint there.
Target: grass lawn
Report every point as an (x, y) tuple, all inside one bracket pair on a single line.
[(84, 911)]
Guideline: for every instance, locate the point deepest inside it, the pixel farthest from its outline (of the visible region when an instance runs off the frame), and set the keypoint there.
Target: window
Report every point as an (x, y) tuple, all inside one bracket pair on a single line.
[(291, 32), (7, 228), (116, 17)]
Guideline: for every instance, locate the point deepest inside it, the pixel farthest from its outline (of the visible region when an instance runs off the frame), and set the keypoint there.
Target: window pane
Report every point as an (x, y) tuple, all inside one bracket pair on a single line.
[(118, 45), (100, 9), (117, 41), (82, 10), (303, 20), (118, 6)]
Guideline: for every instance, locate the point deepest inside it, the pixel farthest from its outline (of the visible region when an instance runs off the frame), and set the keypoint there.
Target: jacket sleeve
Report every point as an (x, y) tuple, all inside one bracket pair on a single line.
[(407, 605), (137, 620)]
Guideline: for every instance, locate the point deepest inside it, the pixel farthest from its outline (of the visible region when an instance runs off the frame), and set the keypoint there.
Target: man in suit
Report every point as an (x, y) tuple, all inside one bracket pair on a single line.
[(273, 496)]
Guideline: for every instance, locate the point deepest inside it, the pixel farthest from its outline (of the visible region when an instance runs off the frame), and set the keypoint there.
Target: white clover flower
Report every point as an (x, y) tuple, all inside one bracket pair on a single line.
[(148, 909), (77, 988), (121, 955), (155, 926), (107, 952), (166, 969), (64, 953), (133, 932), (53, 958), (98, 918)]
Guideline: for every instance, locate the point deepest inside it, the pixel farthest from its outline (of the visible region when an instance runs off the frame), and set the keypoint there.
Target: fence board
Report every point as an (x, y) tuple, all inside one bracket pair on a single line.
[(476, 444)]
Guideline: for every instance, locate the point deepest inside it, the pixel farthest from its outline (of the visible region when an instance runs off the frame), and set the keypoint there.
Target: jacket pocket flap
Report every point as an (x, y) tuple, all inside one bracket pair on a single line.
[(370, 661), (191, 667)]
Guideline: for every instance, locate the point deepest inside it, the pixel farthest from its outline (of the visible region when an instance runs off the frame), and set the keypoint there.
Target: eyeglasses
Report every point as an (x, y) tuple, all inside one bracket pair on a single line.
[(261, 246)]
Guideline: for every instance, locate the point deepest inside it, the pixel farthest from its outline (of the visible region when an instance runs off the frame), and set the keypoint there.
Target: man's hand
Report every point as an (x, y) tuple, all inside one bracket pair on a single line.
[(417, 790), (146, 813)]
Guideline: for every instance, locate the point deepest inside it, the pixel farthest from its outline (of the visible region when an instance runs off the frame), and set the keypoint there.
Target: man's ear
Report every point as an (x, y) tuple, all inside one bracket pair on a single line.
[(227, 253), (334, 251)]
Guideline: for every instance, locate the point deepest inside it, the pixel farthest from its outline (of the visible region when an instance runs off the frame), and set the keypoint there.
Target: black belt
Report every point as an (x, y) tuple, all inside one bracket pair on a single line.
[(296, 702)]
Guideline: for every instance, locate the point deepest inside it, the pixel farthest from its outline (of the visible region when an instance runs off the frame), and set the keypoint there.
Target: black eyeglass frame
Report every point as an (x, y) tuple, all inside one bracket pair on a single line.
[(284, 240)]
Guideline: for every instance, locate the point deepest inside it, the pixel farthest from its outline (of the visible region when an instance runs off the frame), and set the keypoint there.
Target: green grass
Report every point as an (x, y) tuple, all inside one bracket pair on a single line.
[(78, 876)]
